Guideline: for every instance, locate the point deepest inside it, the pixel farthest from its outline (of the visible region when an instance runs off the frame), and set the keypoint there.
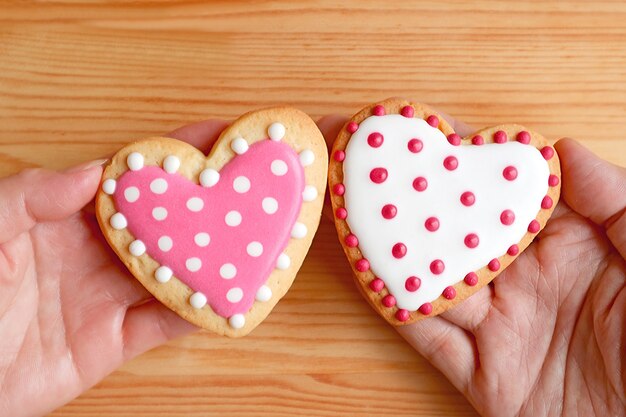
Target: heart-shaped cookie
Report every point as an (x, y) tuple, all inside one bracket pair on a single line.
[(426, 217), (218, 239)]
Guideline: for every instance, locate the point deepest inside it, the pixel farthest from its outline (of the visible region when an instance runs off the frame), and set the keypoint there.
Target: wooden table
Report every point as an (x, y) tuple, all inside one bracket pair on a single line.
[(79, 79)]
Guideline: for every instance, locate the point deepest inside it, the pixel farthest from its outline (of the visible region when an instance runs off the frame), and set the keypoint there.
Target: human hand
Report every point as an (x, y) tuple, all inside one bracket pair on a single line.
[(70, 313), (547, 336)]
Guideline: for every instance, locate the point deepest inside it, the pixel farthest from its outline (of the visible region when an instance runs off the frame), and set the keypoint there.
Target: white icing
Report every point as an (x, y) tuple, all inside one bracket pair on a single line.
[(131, 194), (193, 264), (237, 321), (307, 157), (158, 186), (239, 146), (228, 271), (163, 274), (159, 213), (241, 184), (197, 300), (264, 293), (137, 248), (234, 295), (118, 221), (479, 171), (134, 160), (276, 131), (165, 243), (233, 218), (254, 249), (278, 167), (195, 204), (209, 177), (108, 186), (283, 262), (202, 239), (299, 230), (171, 163), (309, 193), (270, 205)]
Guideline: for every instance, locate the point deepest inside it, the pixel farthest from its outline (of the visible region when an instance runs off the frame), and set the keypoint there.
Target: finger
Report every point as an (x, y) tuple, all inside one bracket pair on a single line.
[(38, 195), (149, 325), (448, 347), (471, 312), (594, 188), (201, 135)]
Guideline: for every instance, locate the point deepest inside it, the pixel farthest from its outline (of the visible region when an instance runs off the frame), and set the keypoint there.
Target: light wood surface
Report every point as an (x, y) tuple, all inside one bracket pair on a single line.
[(79, 79)]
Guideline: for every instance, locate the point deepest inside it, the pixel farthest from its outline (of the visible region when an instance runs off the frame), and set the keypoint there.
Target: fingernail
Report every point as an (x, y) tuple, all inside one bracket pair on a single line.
[(87, 165)]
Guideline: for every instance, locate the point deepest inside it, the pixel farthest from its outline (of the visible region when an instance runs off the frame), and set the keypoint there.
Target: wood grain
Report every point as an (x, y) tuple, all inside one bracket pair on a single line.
[(80, 78)]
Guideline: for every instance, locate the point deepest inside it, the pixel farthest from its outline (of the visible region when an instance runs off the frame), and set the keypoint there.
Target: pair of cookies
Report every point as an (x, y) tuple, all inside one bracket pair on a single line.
[(425, 217)]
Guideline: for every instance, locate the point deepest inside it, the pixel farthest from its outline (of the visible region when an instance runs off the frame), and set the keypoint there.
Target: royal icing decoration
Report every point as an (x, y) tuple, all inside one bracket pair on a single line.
[(223, 234), (426, 212)]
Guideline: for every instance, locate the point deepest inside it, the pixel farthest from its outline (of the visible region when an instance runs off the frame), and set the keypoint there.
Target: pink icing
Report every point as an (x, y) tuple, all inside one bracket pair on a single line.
[(377, 285), (227, 244)]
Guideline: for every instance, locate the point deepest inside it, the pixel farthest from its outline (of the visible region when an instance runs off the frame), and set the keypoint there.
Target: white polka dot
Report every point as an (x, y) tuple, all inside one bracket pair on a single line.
[(134, 161), (159, 213), (137, 248), (307, 157), (197, 300), (283, 261), (131, 194), (276, 131), (118, 221), (163, 274), (270, 205), (234, 295), (193, 264), (165, 243), (309, 193), (239, 146), (209, 177), (228, 271), (254, 249), (171, 164), (237, 321), (195, 204), (264, 293), (233, 218), (202, 239), (108, 186), (278, 167), (158, 186), (299, 230), (241, 184)]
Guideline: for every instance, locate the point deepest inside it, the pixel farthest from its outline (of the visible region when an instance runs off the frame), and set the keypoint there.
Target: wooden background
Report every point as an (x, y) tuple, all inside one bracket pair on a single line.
[(78, 79)]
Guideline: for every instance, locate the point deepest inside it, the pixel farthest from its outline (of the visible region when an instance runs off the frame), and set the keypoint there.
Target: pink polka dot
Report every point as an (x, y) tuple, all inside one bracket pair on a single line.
[(415, 145), (449, 293), (407, 111), (412, 284), (553, 180), (547, 152), (339, 156), (500, 137), (431, 224), (426, 309), (402, 315), (534, 226), (507, 217), (523, 137), (399, 250), (389, 301), (377, 285), (352, 241), (454, 139), (432, 120), (352, 127), (339, 189), (389, 211), (375, 139), (478, 140), (450, 163), (493, 265), (513, 250), (378, 175), (378, 110), (437, 266), (471, 279), (420, 184), (341, 213), (471, 240), (546, 203), (509, 173), (362, 265), (468, 198)]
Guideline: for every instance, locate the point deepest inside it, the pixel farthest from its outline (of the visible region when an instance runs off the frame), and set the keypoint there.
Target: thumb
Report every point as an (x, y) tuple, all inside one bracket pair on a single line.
[(594, 188), (39, 195)]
